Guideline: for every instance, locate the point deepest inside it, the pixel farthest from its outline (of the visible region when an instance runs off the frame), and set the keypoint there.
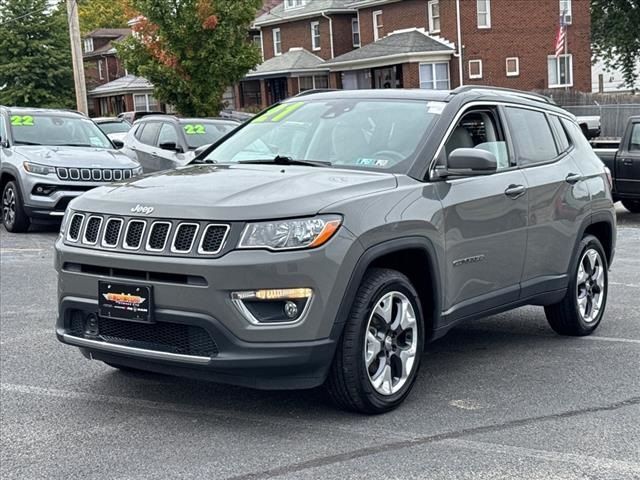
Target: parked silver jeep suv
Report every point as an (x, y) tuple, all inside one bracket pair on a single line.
[(48, 157), (330, 238)]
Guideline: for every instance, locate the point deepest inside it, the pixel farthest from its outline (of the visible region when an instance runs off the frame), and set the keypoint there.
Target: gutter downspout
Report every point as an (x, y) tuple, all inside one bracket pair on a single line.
[(460, 71), (330, 31)]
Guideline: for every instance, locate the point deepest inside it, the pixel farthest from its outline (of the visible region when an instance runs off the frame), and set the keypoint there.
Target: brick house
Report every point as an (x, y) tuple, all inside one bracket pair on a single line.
[(417, 44)]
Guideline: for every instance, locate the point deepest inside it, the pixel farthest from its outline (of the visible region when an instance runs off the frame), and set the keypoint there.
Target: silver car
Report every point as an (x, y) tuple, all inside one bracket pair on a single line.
[(49, 157)]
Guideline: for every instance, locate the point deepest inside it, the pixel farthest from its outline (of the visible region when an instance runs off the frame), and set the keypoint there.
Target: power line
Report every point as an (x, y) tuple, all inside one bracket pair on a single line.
[(39, 10)]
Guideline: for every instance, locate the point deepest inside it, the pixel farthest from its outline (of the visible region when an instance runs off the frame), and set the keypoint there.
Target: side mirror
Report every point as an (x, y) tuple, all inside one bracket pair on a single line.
[(118, 143), (171, 146), (471, 162)]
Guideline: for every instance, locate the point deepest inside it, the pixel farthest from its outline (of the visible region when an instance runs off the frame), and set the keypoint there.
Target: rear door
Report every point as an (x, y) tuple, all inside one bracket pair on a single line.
[(627, 168), (485, 220), (145, 145), (168, 141), (558, 196)]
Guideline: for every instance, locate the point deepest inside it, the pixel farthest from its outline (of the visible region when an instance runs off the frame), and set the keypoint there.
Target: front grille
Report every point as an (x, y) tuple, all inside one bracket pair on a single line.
[(158, 236), (185, 235), (213, 239), (75, 226), (133, 238), (161, 336), (112, 232), (92, 229), (94, 174)]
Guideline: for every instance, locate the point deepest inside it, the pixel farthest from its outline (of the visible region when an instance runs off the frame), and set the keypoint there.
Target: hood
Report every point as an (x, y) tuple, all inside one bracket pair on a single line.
[(87, 157), (238, 192)]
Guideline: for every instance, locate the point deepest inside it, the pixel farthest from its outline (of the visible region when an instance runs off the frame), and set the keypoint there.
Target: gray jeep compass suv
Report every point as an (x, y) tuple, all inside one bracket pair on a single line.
[(327, 240)]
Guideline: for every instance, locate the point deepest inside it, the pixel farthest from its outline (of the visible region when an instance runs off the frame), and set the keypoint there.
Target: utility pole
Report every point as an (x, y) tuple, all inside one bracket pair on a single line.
[(76, 55)]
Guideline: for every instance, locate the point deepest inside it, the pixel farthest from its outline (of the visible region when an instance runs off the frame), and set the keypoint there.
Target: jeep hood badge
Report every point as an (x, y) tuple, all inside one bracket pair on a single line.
[(142, 209)]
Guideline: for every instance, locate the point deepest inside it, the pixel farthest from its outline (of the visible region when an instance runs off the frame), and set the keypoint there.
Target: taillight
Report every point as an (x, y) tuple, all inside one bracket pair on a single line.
[(609, 177)]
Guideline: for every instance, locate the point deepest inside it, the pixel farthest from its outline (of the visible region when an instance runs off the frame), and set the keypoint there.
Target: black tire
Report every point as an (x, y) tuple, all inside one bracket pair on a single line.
[(13, 215), (632, 205), (565, 317), (349, 383)]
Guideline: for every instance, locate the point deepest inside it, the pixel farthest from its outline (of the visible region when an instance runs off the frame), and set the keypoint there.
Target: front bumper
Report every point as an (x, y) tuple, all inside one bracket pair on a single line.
[(276, 356)]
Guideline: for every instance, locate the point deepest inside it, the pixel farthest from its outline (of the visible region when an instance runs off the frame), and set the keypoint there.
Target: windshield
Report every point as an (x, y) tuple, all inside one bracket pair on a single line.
[(114, 127), (57, 130), (345, 132), (201, 133)]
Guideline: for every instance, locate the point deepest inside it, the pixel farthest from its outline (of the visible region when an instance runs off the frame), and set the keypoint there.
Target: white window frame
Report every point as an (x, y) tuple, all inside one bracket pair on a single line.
[(315, 47), (355, 21), (557, 64), (146, 101), (277, 45), (433, 74), (568, 9), (88, 45), (486, 3), (257, 40), (293, 4), (432, 18), (506, 66), (475, 76), (376, 27), (313, 81), (100, 73)]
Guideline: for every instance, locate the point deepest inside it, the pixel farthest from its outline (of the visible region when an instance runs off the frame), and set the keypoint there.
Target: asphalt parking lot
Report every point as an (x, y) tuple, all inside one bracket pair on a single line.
[(503, 397)]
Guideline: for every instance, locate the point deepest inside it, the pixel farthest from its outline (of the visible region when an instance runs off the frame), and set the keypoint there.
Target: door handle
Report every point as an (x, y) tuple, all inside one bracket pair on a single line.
[(515, 191), (155, 154), (573, 178)]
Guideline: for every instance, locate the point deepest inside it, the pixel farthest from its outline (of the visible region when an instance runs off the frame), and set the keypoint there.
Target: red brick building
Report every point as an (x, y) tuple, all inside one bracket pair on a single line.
[(418, 44)]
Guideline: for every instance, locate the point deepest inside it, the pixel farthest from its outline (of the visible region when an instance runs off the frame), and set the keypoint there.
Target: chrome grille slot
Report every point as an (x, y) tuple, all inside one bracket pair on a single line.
[(74, 174), (158, 236), (85, 174), (96, 173), (107, 176), (92, 230), (63, 173), (184, 237), (213, 239), (135, 232), (112, 232), (75, 227), (117, 175)]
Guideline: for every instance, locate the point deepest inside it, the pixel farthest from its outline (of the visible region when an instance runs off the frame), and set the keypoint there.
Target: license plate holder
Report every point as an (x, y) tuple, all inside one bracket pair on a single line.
[(121, 301)]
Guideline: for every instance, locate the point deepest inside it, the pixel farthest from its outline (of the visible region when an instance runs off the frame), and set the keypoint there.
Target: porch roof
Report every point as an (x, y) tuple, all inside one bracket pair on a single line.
[(295, 61), (122, 85)]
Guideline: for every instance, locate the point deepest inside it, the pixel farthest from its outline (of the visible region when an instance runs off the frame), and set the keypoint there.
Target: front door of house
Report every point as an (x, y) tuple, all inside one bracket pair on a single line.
[(277, 90)]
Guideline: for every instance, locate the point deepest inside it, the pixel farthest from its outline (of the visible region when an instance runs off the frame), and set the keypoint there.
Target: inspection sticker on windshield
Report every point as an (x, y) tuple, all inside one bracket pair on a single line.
[(197, 129), (22, 121)]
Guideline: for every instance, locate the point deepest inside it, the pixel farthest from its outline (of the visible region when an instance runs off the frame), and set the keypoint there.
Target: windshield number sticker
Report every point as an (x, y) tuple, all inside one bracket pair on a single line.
[(194, 129), (22, 121), (278, 113)]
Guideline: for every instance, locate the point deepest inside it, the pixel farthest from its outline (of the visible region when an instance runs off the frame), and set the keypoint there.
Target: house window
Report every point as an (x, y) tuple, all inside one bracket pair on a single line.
[(565, 9), (434, 76), (291, 4), (355, 32), (560, 70), (145, 103), (88, 45), (433, 13), (257, 41), (377, 25), (313, 82), (513, 66), (277, 42), (100, 75), (475, 69), (315, 36), (484, 13)]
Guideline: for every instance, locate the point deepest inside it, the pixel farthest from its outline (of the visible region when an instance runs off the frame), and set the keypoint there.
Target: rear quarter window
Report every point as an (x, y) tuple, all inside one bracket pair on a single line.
[(564, 143)]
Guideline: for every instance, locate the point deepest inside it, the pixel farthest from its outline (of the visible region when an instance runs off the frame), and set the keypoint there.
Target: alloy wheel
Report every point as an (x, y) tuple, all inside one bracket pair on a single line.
[(590, 285), (391, 343), (8, 206)]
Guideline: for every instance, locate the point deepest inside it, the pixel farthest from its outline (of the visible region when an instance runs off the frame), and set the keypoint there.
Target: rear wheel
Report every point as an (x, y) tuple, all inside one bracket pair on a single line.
[(632, 205), (581, 310), (13, 215), (379, 353)]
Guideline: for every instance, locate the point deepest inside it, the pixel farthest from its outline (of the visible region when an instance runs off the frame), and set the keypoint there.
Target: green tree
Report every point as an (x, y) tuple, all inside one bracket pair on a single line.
[(103, 14), (35, 55), (191, 50), (615, 35)]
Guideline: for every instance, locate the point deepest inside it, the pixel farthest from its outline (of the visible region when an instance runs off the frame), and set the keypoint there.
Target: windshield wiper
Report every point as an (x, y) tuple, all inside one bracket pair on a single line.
[(73, 145), (22, 142), (280, 160)]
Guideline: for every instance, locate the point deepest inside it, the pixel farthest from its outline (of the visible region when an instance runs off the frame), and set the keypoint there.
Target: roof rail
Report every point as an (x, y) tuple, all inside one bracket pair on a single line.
[(314, 90), (536, 97)]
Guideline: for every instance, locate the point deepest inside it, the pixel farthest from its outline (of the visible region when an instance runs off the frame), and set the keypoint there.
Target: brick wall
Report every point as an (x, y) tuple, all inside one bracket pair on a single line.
[(395, 16)]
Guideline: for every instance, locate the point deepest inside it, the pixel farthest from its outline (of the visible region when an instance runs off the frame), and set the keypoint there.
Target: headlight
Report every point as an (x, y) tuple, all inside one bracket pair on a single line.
[(290, 234), (38, 169), (137, 171), (63, 225)]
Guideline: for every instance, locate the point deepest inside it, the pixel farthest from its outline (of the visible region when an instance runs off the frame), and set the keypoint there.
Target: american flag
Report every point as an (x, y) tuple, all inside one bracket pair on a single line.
[(561, 36)]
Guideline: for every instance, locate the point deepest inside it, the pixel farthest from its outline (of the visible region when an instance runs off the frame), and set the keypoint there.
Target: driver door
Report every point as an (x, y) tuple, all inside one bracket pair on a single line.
[(485, 220)]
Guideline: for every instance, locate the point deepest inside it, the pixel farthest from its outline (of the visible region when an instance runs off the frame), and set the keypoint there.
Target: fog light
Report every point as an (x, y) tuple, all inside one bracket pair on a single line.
[(91, 326), (275, 306), (291, 309)]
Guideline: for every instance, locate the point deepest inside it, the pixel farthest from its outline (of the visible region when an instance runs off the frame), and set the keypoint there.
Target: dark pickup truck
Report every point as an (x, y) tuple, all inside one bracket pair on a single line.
[(624, 164)]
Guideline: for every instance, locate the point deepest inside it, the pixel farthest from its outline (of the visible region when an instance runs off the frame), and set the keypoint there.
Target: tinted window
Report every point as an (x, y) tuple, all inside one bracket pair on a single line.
[(114, 127), (149, 133), (3, 133), (532, 136), (168, 134), (561, 133), (635, 138)]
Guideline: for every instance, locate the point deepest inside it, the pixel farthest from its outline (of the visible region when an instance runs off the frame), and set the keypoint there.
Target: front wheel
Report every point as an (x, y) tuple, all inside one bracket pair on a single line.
[(379, 353), (579, 313), (632, 205), (13, 215)]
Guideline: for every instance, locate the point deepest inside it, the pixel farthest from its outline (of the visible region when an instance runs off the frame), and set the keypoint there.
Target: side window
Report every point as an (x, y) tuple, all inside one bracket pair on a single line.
[(481, 129), (563, 140), (532, 136), (137, 130), (3, 130), (149, 133), (167, 134), (634, 145)]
